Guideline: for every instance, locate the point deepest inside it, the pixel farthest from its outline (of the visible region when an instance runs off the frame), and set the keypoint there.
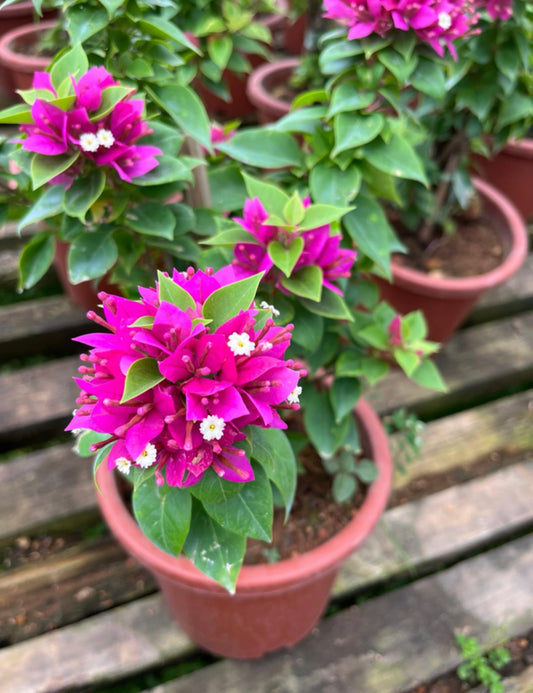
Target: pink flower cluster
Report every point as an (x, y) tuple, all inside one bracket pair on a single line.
[(498, 9), (320, 249), (213, 383), (436, 22), (107, 141)]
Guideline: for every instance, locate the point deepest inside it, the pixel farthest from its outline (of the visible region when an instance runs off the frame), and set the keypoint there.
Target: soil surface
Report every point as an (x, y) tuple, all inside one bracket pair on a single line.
[(475, 248), (521, 651)]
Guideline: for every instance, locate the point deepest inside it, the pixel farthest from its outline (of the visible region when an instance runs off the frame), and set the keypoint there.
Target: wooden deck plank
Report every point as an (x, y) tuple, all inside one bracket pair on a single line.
[(396, 641), (480, 361), (523, 683), (409, 537), (45, 325)]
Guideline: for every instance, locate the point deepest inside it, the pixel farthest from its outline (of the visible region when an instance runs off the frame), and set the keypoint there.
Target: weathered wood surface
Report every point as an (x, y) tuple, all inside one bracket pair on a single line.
[(523, 683), (481, 361), (395, 641), (51, 322), (409, 538)]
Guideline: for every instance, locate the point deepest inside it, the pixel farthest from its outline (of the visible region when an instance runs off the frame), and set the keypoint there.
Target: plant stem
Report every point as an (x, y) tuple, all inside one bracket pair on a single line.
[(199, 194)]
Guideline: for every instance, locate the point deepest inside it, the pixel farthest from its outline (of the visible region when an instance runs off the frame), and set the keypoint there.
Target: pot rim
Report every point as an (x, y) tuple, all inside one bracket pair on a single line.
[(257, 578), (459, 287), (20, 61), (256, 85), (522, 148)]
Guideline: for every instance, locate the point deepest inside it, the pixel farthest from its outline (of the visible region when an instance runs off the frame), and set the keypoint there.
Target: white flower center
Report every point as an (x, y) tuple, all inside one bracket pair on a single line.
[(240, 344), (123, 465), (212, 427), (105, 138), (445, 20), (89, 142), (147, 456), (294, 396), (266, 306)]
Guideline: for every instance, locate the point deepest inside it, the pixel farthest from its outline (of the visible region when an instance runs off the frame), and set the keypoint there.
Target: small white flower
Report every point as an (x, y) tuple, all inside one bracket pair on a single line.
[(445, 20), (212, 427), (105, 138), (123, 465), (89, 142), (294, 396), (266, 306), (240, 344), (147, 456)]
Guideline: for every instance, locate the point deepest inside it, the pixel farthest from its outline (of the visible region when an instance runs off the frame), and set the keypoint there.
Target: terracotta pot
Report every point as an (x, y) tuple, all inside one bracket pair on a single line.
[(275, 605), (263, 81), (511, 171), (16, 57), (294, 35), (447, 302), (84, 294)]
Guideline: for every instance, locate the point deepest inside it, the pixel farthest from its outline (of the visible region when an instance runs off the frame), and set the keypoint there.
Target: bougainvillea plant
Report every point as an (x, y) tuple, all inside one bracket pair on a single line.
[(183, 394), (92, 171), (347, 339)]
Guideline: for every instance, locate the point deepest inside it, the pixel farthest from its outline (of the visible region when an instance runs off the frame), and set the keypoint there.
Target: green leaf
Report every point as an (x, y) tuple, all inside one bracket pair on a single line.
[(219, 49), (306, 282), (294, 210), (344, 395), (321, 215), (110, 97), (168, 170), (74, 62), (146, 321), (271, 448), (331, 185), (331, 305), (186, 110), (48, 205), (400, 66), (263, 148), (83, 193), (344, 487), (271, 197), (428, 77), (407, 360), (229, 300), (352, 130), (348, 97), (86, 439), (142, 375), (35, 259), (230, 238), (370, 231), (397, 157), (163, 513), (227, 188), (215, 551), (85, 21), (375, 335), (157, 26), (15, 115), (91, 255), (212, 489), (250, 512), (320, 423), (367, 471), (301, 120), (44, 168), (169, 291), (374, 369), (100, 457), (286, 258), (515, 108), (152, 219), (427, 375), (308, 329)]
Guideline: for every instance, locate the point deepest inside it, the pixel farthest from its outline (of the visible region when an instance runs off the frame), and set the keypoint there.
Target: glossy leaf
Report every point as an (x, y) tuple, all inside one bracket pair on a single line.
[(285, 258), (169, 291), (152, 219), (263, 148), (344, 395), (331, 185), (186, 110), (72, 63), (35, 259), (48, 205), (306, 282), (212, 489), (229, 300), (84, 22), (272, 198), (142, 375), (44, 168), (320, 423), (91, 255), (397, 157), (271, 448), (353, 130), (83, 193)]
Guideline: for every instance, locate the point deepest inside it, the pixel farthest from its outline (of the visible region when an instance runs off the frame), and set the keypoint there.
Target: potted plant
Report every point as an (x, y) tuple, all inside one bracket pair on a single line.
[(450, 112)]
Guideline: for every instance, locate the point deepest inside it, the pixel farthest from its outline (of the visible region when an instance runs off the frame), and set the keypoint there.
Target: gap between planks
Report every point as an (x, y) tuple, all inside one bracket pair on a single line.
[(477, 362), (139, 636)]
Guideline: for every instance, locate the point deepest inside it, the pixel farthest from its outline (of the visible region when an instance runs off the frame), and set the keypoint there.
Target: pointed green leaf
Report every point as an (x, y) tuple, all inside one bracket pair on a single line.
[(407, 360), (250, 512), (230, 238), (142, 375), (348, 97), (74, 62), (370, 231), (215, 551), (374, 369), (110, 97), (85, 21), (219, 49), (169, 291), (44, 168), (271, 448), (294, 210), (428, 375), (48, 205), (163, 513), (331, 305), (169, 169), (35, 259), (397, 157), (91, 255), (330, 185), (212, 489), (325, 433), (263, 148), (286, 258), (15, 115), (352, 130), (186, 110), (157, 26), (229, 300), (86, 439), (152, 219), (429, 78), (146, 321), (321, 215), (344, 395), (83, 193), (307, 282)]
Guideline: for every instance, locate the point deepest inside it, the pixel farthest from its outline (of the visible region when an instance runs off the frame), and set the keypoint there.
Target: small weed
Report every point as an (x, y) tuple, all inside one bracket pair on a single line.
[(407, 441), (478, 667)]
